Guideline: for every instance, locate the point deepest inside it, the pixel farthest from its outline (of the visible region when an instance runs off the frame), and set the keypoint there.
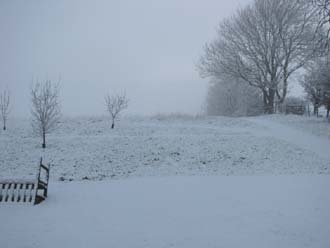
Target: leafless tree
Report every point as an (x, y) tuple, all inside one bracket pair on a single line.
[(263, 44), (46, 110), (310, 83), (4, 107), (115, 104), (316, 83)]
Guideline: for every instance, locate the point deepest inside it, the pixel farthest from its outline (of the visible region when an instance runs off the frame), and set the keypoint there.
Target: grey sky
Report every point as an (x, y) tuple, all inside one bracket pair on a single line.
[(147, 48)]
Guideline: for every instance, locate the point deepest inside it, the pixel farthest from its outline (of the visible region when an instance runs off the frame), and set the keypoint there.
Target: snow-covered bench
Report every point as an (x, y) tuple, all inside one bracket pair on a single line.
[(26, 190)]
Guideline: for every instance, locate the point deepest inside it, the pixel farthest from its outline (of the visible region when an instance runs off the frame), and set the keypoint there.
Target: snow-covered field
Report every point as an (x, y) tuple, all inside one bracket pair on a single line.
[(181, 182), (87, 147), (182, 212)]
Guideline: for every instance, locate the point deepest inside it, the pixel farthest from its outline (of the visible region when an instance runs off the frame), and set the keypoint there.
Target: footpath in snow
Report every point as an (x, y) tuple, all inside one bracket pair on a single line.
[(303, 139)]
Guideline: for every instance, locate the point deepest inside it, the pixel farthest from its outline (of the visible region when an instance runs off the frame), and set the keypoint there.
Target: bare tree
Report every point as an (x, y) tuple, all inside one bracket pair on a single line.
[(322, 68), (115, 104), (316, 83), (4, 107), (45, 108), (263, 44), (310, 85)]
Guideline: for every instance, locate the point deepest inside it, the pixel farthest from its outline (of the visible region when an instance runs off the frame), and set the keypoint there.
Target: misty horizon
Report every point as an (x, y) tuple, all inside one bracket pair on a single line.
[(178, 123), (145, 49)]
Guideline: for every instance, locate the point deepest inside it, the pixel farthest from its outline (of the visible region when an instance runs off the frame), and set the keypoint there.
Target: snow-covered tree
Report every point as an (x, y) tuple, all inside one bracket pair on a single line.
[(310, 83), (4, 107), (46, 110), (263, 44), (115, 104), (316, 83)]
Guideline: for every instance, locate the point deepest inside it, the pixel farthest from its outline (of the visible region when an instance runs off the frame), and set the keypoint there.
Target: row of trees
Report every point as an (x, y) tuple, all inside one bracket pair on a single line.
[(264, 44), (46, 109)]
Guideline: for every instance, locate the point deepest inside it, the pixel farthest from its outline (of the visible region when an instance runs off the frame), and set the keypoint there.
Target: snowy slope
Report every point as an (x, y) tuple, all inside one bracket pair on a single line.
[(291, 130), (277, 194), (87, 147), (182, 212)]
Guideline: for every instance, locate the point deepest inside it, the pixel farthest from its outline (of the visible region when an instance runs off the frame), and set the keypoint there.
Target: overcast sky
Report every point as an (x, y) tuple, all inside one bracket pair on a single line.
[(147, 48)]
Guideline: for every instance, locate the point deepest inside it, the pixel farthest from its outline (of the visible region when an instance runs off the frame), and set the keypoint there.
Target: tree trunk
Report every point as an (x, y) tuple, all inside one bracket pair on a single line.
[(269, 98), (43, 139), (113, 125), (308, 110), (264, 94), (314, 110), (271, 101), (284, 91)]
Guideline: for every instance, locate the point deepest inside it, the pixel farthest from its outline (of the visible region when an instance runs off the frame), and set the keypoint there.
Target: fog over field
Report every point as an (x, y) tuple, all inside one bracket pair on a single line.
[(164, 123), (147, 48)]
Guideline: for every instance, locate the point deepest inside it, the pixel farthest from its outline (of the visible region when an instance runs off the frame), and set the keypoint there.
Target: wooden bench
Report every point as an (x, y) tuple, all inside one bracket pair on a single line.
[(26, 190)]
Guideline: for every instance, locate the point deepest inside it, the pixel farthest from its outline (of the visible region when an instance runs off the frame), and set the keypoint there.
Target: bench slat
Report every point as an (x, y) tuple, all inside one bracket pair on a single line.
[(18, 181), (1, 191), (44, 167), (12, 190)]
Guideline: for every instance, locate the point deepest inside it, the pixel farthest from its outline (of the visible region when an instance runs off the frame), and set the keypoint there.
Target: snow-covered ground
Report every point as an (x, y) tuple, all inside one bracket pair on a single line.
[(87, 147), (182, 212), (173, 182)]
